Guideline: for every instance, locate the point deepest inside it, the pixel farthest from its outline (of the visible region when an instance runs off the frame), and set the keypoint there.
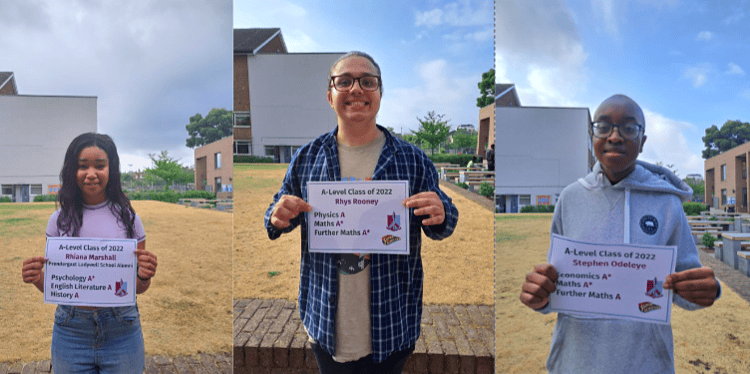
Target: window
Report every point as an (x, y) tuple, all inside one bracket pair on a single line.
[(241, 147), (36, 189), (723, 172), (723, 196), (218, 184), (524, 200), (217, 160), (242, 119), (7, 189), (744, 170)]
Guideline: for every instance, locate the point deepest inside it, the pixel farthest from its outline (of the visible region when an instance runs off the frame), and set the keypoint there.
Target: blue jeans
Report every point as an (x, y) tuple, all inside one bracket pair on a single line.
[(106, 340)]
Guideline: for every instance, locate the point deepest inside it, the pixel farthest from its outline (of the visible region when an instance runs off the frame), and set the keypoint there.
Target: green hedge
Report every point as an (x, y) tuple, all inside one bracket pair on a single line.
[(5, 199), (487, 190), (252, 159), (461, 160), (39, 198), (462, 185), (538, 209), (694, 209), (170, 196)]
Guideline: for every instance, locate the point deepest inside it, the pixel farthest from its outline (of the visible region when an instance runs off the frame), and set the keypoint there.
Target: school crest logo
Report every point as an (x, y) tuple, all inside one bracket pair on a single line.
[(654, 288), (121, 288), (394, 222), (649, 224), (646, 307)]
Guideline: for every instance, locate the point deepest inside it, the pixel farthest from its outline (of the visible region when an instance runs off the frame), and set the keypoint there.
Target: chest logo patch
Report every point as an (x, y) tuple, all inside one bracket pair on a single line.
[(649, 224)]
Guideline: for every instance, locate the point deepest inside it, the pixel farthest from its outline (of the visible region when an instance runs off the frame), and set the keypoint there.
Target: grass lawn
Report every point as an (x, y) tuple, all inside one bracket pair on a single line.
[(714, 337), (458, 270), (187, 309)]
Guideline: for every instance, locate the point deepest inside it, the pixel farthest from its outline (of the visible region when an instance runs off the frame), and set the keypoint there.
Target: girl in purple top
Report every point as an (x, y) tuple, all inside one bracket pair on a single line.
[(92, 204)]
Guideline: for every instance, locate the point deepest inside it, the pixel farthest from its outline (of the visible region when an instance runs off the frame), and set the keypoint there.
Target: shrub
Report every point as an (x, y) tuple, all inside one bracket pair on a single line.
[(487, 190), (252, 159), (694, 209), (39, 198), (5, 199), (708, 240), (713, 219), (170, 196), (461, 160), (538, 209), (462, 185)]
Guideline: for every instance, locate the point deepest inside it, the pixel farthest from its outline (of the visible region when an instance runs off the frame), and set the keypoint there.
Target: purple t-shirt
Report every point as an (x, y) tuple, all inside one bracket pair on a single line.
[(99, 222)]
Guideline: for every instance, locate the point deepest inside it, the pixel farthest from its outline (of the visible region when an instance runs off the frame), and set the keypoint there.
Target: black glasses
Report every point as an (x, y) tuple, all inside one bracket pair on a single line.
[(603, 130), (344, 83)]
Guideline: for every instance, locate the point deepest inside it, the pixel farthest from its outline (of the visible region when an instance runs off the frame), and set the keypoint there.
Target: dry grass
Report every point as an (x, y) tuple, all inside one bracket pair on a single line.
[(716, 336), (187, 309), (458, 270)]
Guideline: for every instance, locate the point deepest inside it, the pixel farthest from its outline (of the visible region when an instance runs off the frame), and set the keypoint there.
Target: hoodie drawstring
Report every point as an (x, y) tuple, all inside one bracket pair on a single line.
[(626, 226)]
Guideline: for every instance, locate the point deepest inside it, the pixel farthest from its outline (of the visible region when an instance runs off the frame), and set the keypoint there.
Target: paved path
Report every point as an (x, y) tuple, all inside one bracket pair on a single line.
[(475, 197), (737, 281), (220, 363)]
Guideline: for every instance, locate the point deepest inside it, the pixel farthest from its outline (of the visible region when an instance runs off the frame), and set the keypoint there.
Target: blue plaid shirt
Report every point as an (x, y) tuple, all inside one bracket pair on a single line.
[(395, 280)]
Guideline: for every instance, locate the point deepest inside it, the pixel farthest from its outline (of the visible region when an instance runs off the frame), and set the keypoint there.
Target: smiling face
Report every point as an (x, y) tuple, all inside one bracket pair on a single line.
[(93, 175), (357, 107), (617, 154)]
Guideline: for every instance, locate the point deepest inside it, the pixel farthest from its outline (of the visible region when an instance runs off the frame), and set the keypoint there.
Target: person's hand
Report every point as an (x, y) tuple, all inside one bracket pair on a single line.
[(33, 270), (697, 285), (427, 203), (539, 284), (286, 209), (146, 264)]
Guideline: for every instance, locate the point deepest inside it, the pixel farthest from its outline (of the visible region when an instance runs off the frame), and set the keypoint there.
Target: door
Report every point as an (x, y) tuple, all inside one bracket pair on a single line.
[(513, 204)]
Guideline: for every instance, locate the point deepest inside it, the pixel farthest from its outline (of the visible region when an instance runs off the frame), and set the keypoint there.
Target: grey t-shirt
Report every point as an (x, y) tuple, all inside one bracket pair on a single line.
[(353, 335)]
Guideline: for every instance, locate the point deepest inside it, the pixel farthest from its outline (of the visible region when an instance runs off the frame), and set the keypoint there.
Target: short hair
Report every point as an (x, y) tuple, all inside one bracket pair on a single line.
[(355, 54)]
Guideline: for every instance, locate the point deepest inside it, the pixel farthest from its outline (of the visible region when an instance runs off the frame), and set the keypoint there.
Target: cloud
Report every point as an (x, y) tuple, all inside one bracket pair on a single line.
[(546, 62), (667, 143), (734, 69), (438, 90), (605, 9), (460, 13), (698, 74), (148, 64), (735, 17), (704, 36)]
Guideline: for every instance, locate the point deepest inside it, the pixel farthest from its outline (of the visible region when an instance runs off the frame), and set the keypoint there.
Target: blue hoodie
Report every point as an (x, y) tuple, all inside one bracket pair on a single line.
[(643, 208)]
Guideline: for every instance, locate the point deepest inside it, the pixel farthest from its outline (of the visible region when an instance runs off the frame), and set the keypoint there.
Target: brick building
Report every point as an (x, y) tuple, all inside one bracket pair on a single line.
[(279, 97), (213, 167), (36, 131), (726, 179)]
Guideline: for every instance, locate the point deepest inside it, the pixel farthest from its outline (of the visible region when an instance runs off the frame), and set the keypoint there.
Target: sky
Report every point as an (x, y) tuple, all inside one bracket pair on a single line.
[(431, 53), (685, 62), (152, 64)]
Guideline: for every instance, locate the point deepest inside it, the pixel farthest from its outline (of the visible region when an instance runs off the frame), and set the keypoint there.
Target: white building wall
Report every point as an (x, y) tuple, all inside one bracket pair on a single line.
[(539, 151), (35, 132), (288, 98)]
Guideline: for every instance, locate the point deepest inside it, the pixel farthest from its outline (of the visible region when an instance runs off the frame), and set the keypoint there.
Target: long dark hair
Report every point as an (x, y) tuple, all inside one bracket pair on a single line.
[(70, 197)]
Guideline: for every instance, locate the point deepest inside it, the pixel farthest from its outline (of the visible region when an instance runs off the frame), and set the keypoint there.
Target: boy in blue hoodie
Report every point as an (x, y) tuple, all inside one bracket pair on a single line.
[(622, 200)]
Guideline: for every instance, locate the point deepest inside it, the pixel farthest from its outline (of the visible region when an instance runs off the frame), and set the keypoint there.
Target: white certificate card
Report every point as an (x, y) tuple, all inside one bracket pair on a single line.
[(358, 217), (612, 280), (89, 271)]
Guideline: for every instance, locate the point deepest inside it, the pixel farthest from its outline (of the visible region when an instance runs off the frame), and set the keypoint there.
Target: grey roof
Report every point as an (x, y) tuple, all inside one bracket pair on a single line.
[(501, 87), (248, 40)]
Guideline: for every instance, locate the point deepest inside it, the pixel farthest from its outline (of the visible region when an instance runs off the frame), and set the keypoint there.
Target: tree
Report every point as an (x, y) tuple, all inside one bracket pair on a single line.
[(669, 167), (216, 125), (167, 169), (487, 89), (732, 134), (699, 188), (433, 130), (464, 139)]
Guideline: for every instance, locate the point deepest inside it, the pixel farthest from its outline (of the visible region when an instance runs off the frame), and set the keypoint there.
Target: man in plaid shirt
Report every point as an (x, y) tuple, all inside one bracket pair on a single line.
[(361, 311)]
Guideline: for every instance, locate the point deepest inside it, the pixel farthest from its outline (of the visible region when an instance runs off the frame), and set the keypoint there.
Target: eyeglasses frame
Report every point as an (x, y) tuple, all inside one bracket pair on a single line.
[(380, 82), (641, 129)]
